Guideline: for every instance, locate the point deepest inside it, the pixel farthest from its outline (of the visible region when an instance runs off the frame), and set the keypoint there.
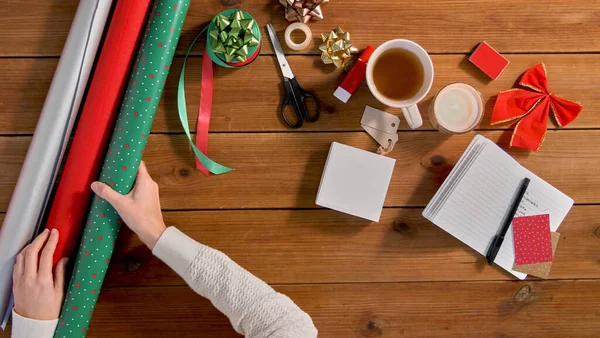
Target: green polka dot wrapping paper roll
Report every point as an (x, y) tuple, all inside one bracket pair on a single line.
[(121, 163)]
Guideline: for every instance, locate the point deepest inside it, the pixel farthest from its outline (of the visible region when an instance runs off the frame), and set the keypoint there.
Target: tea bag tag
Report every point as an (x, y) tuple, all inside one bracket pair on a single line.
[(382, 126)]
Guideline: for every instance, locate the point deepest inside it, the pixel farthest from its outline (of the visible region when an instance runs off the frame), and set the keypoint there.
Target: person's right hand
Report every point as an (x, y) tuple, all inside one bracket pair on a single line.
[(38, 291), (140, 209)]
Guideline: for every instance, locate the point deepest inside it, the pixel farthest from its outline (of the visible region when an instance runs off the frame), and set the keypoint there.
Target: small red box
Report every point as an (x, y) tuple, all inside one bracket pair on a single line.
[(488, 60)]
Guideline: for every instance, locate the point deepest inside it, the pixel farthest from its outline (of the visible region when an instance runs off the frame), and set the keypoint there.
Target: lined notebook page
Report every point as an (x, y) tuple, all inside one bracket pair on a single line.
[(475, 198)]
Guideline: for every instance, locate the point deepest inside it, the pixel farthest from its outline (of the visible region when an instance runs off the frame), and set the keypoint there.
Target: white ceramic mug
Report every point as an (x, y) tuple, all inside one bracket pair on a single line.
[(409, 107)]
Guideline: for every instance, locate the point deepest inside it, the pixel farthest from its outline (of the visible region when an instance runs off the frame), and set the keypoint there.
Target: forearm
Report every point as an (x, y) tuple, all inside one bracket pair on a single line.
[(253, 307), (30, 328)]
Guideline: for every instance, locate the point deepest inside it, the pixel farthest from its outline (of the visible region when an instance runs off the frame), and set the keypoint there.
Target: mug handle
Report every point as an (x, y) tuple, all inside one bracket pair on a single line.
[(412, 116)]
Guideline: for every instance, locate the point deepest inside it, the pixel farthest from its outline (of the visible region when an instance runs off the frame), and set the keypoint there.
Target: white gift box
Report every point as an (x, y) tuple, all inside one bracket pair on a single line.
[(355, 181)]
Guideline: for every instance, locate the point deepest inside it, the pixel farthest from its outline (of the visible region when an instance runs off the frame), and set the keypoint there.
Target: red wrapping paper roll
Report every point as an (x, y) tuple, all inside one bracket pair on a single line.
[(95, 124)]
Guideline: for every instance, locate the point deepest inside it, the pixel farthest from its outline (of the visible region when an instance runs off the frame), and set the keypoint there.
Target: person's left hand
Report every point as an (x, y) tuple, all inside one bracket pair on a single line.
[(39, 294)]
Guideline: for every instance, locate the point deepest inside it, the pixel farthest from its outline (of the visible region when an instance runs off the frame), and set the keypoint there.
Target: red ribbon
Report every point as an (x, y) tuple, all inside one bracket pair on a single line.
[(205, 109), (532, 107)]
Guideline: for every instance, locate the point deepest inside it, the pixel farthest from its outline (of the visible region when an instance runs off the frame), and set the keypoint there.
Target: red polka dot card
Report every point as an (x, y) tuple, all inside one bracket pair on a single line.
[(541, 270), (532, 239)]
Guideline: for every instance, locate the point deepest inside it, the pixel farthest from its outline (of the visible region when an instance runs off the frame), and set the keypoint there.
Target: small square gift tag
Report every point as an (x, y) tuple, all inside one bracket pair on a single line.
[(382, 126)]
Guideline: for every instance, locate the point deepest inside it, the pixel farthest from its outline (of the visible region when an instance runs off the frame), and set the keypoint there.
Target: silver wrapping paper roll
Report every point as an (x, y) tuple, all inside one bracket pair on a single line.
[(50, 138)]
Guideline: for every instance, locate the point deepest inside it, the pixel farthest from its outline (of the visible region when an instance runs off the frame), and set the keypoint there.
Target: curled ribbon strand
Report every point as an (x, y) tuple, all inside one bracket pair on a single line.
[(202, 160), (233, 40), (532, 106)]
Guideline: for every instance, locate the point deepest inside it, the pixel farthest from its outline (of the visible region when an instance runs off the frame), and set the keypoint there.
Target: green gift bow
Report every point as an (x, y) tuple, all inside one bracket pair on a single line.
[(233, 36)]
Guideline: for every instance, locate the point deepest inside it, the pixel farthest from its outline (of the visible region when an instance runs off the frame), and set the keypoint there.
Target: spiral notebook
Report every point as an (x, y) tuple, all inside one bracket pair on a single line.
[(475, 198)]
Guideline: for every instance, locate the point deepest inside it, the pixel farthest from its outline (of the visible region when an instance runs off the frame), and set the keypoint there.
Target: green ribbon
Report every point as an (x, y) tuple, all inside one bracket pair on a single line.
[(209, 164), (233, 35)]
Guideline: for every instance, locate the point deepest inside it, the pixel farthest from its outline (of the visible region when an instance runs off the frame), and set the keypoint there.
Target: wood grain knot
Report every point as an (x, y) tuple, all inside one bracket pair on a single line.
[(230, 2), (434, 162), (373, 325), (437, 160), (523, 295), (597, 232), (372, 328), (437, 165), (331, 109), (184, 172), (133, 266), (401, 227), (520, 300)]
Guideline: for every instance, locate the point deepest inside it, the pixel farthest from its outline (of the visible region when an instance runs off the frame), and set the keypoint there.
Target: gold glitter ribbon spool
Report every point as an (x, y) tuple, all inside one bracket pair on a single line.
[(303, 10), (336, 48)]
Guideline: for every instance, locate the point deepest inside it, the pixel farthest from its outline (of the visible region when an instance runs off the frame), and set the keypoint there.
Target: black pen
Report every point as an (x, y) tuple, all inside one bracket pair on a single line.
[(499, 238)]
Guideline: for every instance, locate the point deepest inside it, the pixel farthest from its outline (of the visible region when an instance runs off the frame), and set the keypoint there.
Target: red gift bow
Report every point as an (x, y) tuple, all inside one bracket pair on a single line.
[(532, 106)]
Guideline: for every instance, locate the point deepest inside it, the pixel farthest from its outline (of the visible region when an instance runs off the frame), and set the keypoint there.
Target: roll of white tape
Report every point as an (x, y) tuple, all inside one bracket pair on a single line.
[(288, 36)]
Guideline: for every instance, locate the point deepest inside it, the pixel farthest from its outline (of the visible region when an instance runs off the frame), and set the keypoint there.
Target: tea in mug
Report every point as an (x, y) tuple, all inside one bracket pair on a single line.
[(398, 74)]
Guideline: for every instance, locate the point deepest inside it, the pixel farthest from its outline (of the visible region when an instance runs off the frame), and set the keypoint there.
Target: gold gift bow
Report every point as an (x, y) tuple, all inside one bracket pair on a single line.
[(336, 48)]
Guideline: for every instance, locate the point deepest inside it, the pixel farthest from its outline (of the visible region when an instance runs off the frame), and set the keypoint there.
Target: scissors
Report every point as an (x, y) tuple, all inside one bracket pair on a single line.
[(294, 93)]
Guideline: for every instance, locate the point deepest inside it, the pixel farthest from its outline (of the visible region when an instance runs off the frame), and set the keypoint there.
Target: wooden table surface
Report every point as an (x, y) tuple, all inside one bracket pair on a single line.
[(401, 277)]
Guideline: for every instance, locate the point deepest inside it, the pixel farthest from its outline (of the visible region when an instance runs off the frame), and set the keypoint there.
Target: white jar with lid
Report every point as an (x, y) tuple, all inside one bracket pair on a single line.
[(457, 108)]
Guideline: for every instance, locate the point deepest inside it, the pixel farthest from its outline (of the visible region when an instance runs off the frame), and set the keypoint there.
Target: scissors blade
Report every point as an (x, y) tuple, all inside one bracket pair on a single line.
[(283, 64)]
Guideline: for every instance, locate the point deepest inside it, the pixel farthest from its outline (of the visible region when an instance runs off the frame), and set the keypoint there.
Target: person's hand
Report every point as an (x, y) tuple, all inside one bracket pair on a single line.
[(39, 294), (140, 209)]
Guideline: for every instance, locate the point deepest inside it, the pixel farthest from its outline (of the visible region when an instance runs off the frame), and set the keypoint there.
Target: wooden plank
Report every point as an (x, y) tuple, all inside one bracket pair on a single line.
[(477, 309), (324, 246), (283, 170), (242, 105), (440, 26), (38, 29), (25, 85)]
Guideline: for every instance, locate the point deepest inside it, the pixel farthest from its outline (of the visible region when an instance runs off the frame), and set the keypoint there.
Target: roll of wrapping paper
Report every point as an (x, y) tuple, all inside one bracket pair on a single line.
[(121, 163), (50, 138), (233, 40), (95, 124)]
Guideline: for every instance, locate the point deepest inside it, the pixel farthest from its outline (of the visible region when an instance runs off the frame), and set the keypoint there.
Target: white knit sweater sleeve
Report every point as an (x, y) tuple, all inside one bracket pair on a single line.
[(23, 327), (252, 306)]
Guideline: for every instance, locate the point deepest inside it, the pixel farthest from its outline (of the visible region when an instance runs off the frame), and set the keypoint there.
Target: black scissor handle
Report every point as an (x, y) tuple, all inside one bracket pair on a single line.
[(290, 98), (317, 114), (295, 95)]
